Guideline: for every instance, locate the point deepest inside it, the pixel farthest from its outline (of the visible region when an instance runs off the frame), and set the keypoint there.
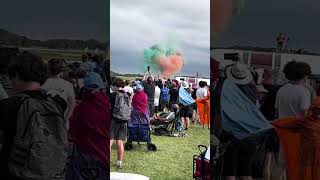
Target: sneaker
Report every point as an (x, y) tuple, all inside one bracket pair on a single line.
[(119, 164)]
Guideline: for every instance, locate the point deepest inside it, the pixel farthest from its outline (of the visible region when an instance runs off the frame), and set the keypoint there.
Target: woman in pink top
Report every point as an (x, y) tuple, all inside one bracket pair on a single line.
[(140, 100), (89, 133)]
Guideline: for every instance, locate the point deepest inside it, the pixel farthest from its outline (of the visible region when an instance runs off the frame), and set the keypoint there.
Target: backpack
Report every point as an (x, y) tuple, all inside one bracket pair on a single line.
[(122, 109), (40, 146)]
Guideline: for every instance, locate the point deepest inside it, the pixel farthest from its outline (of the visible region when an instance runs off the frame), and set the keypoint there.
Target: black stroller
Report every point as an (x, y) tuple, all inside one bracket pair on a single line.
[(139, 131), (168, 123)]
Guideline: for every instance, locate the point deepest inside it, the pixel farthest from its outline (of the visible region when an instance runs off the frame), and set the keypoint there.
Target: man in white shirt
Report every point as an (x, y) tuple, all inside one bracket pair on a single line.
[(55, 85), (157, 93), (202, 92), (293, 99), (128, 88)]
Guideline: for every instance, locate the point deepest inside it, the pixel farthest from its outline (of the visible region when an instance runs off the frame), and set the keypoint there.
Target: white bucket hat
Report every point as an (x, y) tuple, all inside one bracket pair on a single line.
[(185, 84), (239, 73)]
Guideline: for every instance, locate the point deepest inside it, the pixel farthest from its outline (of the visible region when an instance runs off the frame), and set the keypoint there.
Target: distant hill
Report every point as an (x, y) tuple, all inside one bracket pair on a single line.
[(253, 48), (114, 74), (11, 39)]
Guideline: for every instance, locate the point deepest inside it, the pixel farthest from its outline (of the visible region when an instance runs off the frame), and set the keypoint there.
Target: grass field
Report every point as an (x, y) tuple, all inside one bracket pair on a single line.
[(172, 160)]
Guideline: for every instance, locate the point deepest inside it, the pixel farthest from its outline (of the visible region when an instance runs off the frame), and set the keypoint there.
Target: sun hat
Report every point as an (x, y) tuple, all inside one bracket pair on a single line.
[(139, 87), (185, 84), (239, 73), (93, 81), (260, 88)]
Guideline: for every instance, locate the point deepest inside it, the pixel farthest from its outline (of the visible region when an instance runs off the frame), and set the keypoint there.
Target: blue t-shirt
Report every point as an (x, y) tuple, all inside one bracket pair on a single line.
[(164, 96)]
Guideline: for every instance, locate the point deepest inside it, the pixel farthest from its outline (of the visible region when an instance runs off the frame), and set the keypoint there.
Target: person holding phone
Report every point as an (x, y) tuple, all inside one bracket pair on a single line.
[(149, 89)]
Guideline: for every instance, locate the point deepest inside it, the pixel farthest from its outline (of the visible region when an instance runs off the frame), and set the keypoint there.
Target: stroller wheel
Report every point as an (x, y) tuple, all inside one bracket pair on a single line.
[(128, 146), (152, 147)]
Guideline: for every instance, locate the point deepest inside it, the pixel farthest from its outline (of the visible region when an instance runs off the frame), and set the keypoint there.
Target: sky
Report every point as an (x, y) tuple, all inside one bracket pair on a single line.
[(44, 19), (260, 21), (139, 24)]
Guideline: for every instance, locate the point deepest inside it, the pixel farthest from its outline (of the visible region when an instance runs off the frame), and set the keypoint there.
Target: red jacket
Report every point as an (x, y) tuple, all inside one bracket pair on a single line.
[(90, 124)]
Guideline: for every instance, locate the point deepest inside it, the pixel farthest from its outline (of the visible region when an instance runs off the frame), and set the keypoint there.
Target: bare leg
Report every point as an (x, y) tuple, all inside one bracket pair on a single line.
[(187, 122), (183, 122), (111, 142), (194, 117), (267, 166), (120, 149), (282, 166)]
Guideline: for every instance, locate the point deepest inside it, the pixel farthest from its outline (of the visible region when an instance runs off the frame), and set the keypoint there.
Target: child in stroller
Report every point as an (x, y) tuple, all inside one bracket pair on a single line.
[(139, 130), (169, 123)]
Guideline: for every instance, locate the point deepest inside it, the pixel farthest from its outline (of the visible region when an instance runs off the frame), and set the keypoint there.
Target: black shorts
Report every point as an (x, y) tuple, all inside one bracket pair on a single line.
[(186, 111), (238, 159), (194, 106), (151, 108), (272, 143)]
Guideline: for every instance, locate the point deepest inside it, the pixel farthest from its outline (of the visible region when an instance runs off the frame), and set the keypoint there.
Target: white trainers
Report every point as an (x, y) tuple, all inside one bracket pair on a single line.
[(119, 164)]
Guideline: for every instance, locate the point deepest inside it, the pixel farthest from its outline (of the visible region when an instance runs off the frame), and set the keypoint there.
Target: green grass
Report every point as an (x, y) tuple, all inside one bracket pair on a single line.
[(172, 160)]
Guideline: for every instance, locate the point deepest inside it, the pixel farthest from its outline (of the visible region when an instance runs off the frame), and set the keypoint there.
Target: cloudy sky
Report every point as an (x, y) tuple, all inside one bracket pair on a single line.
[(260, 20), (72, 19), (139, 24)]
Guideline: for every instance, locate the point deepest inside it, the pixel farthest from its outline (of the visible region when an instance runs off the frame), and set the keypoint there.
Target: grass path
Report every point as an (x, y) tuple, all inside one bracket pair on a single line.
[(173, 159)]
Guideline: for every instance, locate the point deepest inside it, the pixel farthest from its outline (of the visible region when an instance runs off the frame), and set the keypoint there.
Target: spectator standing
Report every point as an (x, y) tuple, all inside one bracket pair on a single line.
[(140, 100), (157, 93), (92, 116), (121, 110), (165, 97), (293, 99), (55, 85), (28, 73), (185, 111), (174, 95), (149, 89), (128, 88)]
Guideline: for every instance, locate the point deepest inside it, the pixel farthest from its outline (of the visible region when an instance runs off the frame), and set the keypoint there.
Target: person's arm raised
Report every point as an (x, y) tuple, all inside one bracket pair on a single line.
[(145, 76)]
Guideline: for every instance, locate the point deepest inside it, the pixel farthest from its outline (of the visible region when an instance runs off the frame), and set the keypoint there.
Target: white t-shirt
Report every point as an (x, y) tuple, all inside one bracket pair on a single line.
[(157, 96), (128, 89), (202, 93), (58, 86), (292, 100)]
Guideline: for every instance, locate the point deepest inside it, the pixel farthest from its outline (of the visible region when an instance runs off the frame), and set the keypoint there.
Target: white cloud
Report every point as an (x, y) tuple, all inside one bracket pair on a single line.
[(138, 24)]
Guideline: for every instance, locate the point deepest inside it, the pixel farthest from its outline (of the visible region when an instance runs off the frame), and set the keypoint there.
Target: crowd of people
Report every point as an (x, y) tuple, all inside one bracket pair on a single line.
[(257, 123), (59, 120), (55, 117), (151, 96)]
